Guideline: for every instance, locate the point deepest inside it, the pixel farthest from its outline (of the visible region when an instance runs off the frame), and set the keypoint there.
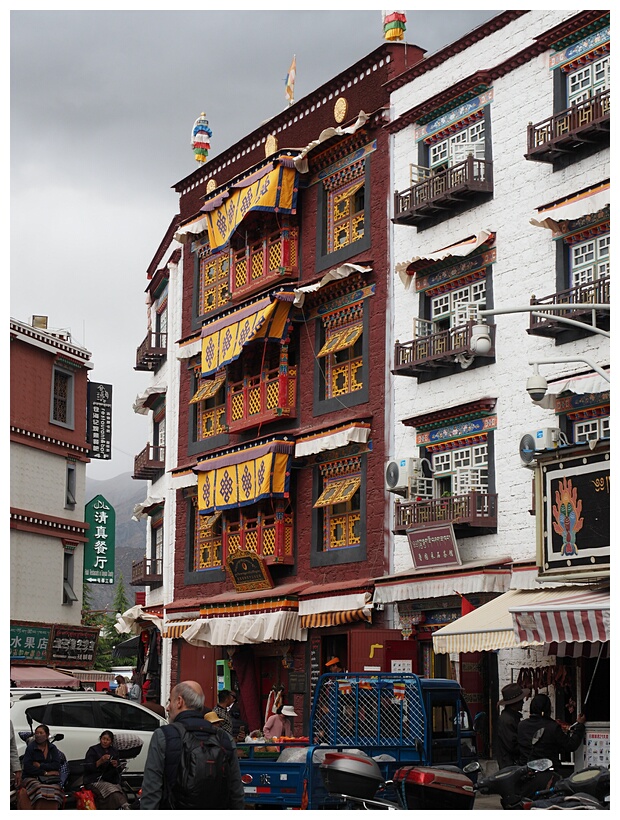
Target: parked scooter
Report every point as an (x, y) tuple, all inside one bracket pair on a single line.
[(587, 789), (519, 785)]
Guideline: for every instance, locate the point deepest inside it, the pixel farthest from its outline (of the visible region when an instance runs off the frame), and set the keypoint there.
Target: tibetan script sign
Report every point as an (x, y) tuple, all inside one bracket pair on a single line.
[(99, 549), (29, 642), (73, 645), (248, 572), (100, 420), (576, 509), (433, 547)]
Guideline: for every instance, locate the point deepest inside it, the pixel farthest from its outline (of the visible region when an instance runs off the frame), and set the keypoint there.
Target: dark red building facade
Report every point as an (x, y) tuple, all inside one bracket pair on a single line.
[(282, 406)]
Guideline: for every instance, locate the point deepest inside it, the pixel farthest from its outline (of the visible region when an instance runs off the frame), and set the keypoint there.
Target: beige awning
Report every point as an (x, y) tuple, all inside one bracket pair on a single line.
[(490, 626), (332, 440), (459, 249), (583, 203), (333, 275), (257, 627)]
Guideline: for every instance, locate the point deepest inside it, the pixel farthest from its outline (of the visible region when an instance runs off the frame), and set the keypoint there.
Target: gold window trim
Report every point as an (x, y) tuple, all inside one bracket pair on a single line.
[(341, 340), (355, 188), (337, 492), (208, 390), (210, 521)]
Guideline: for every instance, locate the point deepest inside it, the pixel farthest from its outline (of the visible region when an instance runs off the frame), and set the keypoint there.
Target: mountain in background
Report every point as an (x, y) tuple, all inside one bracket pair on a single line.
[(123, 493)]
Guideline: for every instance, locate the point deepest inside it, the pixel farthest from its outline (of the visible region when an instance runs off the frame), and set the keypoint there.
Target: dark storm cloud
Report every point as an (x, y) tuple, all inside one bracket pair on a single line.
[(102, 106)]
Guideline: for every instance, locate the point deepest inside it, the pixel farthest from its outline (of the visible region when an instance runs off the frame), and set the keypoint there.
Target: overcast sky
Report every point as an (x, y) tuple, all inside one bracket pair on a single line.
[(102, 107)]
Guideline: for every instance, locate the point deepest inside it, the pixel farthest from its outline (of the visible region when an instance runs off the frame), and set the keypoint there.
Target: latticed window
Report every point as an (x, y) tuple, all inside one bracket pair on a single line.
[(590, 260), (458, 306), (345, 206), (591, 430), (342, 352), (157, 538), (207, 540), (214, 289), (209, 401), (447, 152), (340, 504), (62, 397), (588, 81), (461, 469)]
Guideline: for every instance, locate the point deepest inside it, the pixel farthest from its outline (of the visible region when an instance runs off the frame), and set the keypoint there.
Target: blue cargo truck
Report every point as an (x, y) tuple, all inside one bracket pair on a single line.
[(396, 719)]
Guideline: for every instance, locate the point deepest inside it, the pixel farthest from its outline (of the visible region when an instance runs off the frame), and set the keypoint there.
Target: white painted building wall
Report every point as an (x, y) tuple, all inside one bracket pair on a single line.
[(525, 266)]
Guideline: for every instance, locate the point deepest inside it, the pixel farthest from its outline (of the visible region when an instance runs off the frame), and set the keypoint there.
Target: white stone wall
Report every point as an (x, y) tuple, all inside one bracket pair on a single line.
[(37, 580), (525, 266), (39, 481)]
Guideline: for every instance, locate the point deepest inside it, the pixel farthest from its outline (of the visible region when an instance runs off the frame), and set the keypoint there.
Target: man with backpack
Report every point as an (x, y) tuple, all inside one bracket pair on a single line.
[(191, 763)]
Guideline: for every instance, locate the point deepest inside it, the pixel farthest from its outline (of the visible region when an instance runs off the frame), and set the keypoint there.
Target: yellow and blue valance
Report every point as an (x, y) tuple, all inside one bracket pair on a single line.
[(245, 476), (223, 340), (275, 191)]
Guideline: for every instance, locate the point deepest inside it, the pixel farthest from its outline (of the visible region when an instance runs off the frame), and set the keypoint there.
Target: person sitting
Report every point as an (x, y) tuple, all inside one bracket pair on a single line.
[(101, 774), (42, 762), (279, 725), (540, 736)]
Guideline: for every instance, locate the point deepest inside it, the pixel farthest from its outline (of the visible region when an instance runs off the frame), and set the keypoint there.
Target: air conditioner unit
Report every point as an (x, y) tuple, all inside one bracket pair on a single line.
[(537, 441), (399, 473)]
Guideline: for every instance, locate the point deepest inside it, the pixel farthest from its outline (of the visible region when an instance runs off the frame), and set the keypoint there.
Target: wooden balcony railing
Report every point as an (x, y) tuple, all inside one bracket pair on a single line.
[(152, 351), (426, 353), (585, 123), (473, 510), (146, 571), (267, 260), (260, 399), (443, 191), (270, 536), (596, 292), (149, 463)]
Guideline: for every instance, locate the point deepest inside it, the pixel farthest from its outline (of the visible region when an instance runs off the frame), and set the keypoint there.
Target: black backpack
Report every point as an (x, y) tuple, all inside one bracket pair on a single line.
[(197, 761)]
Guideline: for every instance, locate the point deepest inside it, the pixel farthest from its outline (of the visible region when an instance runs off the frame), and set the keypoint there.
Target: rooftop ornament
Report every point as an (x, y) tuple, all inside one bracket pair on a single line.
[(201, 134)]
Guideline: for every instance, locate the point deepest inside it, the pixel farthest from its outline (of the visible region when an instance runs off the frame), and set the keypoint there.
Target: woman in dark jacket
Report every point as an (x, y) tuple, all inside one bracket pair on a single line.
[(101, 773), (42, 761), (540, 736)]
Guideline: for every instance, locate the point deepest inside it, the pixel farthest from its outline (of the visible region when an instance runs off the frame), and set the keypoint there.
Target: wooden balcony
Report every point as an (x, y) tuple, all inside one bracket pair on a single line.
[(264, 262), (149, 463), (586, 123), (427, 353), (268, 535), (146, 571), (468, 513), (152, 351), (444, 191), (261, 399), (596, 292)]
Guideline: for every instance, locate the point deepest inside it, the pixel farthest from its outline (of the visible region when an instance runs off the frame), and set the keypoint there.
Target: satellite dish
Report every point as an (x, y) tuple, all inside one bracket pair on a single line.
[(392, 474), (527, 448)]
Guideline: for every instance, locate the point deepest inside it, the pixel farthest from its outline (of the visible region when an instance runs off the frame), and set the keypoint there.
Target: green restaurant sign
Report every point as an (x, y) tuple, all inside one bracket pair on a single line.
[(99, 549)]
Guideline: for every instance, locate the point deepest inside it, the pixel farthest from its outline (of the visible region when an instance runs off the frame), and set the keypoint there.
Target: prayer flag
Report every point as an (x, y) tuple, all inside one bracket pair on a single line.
[(290, 82)]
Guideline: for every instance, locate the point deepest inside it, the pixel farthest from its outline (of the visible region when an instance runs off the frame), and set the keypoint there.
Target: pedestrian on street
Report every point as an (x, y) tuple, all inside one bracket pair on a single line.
[(334, 665), (122, 689), (540, 736), (279, 725), (170, 782), (16, 768), (153, 704), (506, 744), (225, 700)]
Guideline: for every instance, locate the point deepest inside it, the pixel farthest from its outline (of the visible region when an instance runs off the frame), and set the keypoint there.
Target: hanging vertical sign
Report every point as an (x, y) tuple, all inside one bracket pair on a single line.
[(99, 549), (100, 420)]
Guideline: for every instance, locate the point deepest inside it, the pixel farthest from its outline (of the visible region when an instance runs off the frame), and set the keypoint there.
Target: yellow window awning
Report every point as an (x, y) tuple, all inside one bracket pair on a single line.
[(244, 477), (341, 340), (275, 191), (223, 340), (208, 390), (337, 492)]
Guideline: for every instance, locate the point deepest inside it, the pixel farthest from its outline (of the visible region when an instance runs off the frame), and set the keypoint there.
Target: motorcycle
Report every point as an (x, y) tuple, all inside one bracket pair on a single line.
[(357, 782), (586, 789), (517, 786)]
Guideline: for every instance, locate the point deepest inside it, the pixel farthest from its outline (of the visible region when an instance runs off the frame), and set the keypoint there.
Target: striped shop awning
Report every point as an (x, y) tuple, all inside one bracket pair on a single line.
[(335, 610), (571, 615), (578, 650), (175, 629)]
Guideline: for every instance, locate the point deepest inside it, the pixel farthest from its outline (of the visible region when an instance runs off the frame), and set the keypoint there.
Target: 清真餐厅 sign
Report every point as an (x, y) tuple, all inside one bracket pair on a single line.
[(99, 549)]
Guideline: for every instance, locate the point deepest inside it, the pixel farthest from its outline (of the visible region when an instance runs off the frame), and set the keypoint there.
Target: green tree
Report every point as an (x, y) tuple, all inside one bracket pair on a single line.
[(105, 620)]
